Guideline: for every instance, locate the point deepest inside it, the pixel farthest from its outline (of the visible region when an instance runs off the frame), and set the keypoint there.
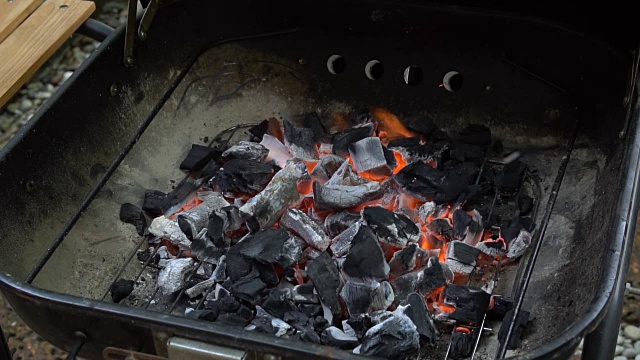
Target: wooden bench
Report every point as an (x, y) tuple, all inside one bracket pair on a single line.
[(30, 32)]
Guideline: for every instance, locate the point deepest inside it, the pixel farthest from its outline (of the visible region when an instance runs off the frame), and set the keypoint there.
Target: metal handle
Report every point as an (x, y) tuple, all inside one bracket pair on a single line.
[(5, 353), (180, 349)]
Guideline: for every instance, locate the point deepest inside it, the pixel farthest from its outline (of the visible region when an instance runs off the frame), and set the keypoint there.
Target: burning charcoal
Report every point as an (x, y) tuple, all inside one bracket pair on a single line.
[(300, 141), (404, 261), (519, 245), (268, 274), (471, 303), (269, 246), (418, 313), (462, 343), (131, 214), (312, 121), (259, 130), (153, 202), (441, 228), (162, 256), (246, 150), (171, 279), (338, 222), (427, 210), (491, 248), (365, 259), (327, 281), (382, 297), (368, 156), (393, 338), (511, 177), (390, 228), (421, 124), (461, 221), (204, 248), (337, 197), (346, 176), (238, 266), (198, 157), (475, 229), (335, 337), (215, 230), (433, 277), (281, 193), (342, 140), (341, 244), (208, 315), (310, 253), (192, 221), (525, 204), (265, 323), (181, 195), (219, 275), (311, 310), (474, 134), (249, 288), (358, 296), (360, 324), (278, 153), (298, 222), (278, 303), (166, 228), (501, 306), (327, 167), (121, 289), (519, 327), (304, 294), (231, 218), (420, 180), (245, 176), (461, 257), (456, 182)]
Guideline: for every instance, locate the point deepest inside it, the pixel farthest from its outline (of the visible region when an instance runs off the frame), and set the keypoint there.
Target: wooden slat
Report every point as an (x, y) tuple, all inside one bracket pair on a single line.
[(36, 39), (12, 13)]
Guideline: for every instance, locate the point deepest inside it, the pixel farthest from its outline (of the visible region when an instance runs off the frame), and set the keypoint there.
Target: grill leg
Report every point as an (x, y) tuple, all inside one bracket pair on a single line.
[(5, 353)]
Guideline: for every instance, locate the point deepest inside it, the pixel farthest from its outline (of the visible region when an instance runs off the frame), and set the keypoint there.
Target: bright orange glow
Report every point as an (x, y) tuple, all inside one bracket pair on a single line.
[(443, 253), (311, 164), (195, 201), (400, 161), (305, 187), (407, 201), (463, 329), (390, 124), (342, 121), (446, 307), (275, 129)]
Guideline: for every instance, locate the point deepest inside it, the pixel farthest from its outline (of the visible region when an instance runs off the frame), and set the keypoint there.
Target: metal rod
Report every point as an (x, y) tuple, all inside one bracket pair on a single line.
[(121, 270), (181, 294), (80, 339), (502, 349)]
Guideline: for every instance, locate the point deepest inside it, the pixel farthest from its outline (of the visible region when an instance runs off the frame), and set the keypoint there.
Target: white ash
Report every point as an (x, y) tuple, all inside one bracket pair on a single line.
[(519, 245), (168, 229), (278, 153), (474, 231), (248, 150), (427, 209), (218, 275), (171, 279), (298, 222)]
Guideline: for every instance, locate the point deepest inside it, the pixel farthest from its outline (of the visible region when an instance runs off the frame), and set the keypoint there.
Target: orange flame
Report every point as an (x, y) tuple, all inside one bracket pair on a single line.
[(400, 161), (389, 124), (195, 201)]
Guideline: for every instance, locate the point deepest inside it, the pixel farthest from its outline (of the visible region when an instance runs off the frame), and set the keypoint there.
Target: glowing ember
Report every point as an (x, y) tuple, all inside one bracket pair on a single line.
[(389, 125)]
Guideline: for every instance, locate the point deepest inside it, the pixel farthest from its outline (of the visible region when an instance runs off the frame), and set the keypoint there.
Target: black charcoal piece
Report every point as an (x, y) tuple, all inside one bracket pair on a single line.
[(491, 248), (511, 230), (467, 152), (404, 142), (404, 261), (456, 182), (121, 289), (461, 257), (232, 320), (179, 196), (358, 296), (342, 140), (327, 167), (208, 315), (308, 335), (132, 214), (365, 259), (312, 121), (265, 323), (231, 218), (420, 180), (248, 288), (154, 202), (471, 303), (227, 304), (320, 324), (338, 197), (338, 222), (525, 204), (342, 243), (198, 157), (421, 124), (474, 134), (518, 328), (390, 228), (300, 141), (501, 305), (360, 324), (368, 157), (281, 193), (310, 253), (298, 320), (382, 297), (144, 255), (259, 130), (204, 248), (519, 245), (171, 278), (345, 175), (441, 228), (268, 274), (418, 313), (215, 230), (245, 176), (245, 312), (335, 337), (303, 294), (311, 310), (278, 303), (511, 177), (462, 343), (327, 281), (461, 221), (299, 223), (247, 150), (237, 266), (433, 277), (395, 337), (269, 246)]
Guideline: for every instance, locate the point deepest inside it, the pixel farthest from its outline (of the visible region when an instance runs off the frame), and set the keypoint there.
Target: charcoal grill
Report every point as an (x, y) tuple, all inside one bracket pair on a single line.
[(564, 98)]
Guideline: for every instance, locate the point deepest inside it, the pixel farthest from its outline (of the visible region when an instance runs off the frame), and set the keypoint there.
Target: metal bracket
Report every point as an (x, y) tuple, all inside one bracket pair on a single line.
[(147, 18), (130, 35), (180, 348)]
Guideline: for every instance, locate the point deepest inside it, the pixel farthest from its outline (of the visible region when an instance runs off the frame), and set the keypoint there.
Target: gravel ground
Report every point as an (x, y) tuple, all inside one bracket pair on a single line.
[(27, 345)]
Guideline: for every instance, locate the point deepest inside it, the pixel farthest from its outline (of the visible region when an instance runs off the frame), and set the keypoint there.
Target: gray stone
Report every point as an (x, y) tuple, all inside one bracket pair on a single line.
[(636, 346), (620, 340), (26, 104), (632, 332), (620, 358), (13, 107), (619, 349), (637, 357), (630, 353)]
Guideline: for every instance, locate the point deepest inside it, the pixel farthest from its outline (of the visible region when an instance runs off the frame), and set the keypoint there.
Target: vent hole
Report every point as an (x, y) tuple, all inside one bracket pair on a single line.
[(374, 70), (64, 7), (336, 64), (412, 75), (452, 81)]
